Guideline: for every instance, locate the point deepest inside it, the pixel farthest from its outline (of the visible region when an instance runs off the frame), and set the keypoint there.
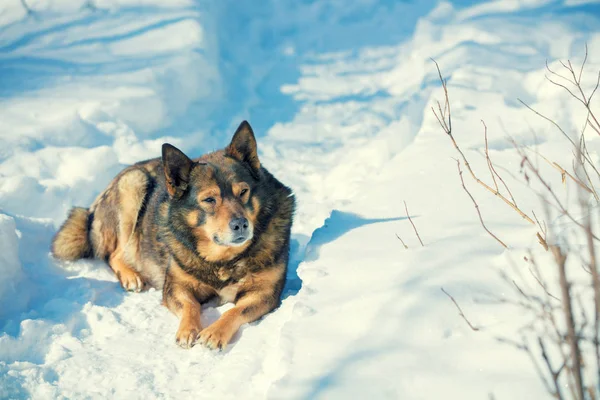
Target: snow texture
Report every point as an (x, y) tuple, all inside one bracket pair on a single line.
[(340, 96)]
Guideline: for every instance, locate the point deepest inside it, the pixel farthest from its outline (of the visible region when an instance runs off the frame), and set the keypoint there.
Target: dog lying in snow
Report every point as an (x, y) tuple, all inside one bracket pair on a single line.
[(217, 226)]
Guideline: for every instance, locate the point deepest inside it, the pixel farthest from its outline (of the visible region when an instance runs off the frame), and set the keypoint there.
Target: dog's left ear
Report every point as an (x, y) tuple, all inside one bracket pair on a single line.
[(243, 146), (177, 167)]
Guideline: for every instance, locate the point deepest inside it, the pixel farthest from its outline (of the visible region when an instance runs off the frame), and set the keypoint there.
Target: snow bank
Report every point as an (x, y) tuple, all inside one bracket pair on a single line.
[(9, 263), (85, 90)]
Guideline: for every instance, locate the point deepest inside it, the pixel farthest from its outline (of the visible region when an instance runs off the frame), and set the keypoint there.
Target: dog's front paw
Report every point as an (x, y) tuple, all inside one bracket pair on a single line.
[(187, 335), (216, 336), (130, 280)]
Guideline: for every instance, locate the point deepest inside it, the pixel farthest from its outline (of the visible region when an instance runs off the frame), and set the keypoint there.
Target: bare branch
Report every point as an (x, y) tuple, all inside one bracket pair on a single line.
[(558, 75), (572, 338), (595, 88), (542, 285), (549, 120), (541, 236), (554, 373), (477, 206), (493, 168), (448, 129), (525, 348), (583, 63), (460, 312), (559, 205), (577, 83), (413, 224), (447, 103), (567, 89), (402, 241), (593, 266)]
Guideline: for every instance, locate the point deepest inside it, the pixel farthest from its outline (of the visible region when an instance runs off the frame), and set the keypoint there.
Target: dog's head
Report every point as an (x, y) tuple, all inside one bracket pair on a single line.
[(213, 200)]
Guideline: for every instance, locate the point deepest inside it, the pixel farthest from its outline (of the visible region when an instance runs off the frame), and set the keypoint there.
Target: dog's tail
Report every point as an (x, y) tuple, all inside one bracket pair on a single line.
[(72, 241)]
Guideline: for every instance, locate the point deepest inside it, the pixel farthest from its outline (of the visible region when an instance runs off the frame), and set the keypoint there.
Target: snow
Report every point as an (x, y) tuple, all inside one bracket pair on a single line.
[(11, 266), (340, 96)]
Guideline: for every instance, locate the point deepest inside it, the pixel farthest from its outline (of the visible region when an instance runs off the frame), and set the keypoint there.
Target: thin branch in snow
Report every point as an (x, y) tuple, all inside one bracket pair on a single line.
[(564, 174), (541, 236), (460, 311), (402, 241), (460, 173), (413, 224), (445, 121), (572, 337), (585, 100), (493, 169), (555, 373), (542, 284), (526, 162)]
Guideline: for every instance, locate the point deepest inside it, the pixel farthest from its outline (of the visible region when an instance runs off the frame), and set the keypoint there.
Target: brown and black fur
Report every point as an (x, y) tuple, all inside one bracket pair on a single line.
[(217, 226)]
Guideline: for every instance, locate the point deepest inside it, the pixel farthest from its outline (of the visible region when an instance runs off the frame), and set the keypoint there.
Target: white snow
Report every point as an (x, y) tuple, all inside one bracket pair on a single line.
[(340, 96), (9, 259)]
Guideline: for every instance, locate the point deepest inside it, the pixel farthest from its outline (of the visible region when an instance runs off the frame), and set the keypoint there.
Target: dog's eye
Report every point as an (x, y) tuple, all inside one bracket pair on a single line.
[(209, 200), (243, 192)]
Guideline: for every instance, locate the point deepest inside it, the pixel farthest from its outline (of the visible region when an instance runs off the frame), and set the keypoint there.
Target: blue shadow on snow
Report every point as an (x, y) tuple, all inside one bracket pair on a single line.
[(338, 223)]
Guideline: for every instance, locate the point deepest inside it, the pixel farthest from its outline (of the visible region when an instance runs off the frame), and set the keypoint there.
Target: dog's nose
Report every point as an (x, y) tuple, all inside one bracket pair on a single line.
[(239, 225)]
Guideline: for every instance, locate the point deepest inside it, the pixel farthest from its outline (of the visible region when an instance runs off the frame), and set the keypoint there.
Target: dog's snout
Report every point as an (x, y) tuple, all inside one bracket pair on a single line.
[(239, 224)]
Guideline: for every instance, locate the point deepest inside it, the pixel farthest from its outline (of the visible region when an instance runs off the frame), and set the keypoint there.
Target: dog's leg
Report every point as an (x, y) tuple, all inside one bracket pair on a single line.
[(131, 188), (256, 298), (183, 303), (130, 279)]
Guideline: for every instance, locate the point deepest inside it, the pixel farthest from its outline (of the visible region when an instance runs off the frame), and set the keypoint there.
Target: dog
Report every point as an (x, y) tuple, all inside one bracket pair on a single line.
[(216, 226)]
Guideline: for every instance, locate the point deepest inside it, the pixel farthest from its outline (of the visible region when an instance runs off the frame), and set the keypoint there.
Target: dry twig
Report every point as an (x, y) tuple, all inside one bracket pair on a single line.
[(555, 373), (593, 268), (413, 225), (493, 169), (560, 324), (526, 162), (477, 206), (460, 312), (538, 280), (572, 337), (445, 120), (564, 174), (402, 241)]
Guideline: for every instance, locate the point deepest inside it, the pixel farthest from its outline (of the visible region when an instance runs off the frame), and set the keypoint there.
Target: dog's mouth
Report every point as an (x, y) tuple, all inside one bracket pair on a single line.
[(239, 240), (235, 241)]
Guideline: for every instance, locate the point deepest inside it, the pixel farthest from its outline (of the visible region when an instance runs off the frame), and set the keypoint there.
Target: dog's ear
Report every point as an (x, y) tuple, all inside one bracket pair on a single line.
[(243, 146), (177, 167)]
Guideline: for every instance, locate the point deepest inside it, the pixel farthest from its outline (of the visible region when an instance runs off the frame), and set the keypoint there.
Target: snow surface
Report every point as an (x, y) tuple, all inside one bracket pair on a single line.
[(339, 94)]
